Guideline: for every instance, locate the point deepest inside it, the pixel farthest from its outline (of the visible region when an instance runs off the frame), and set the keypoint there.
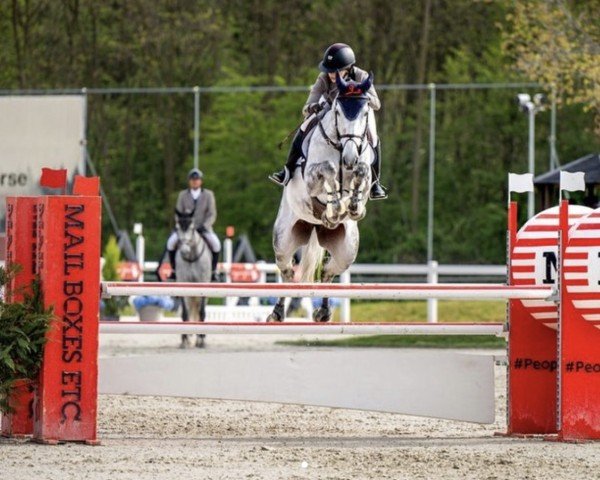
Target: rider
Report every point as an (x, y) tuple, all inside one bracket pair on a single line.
[(201, 203), (339, 57)]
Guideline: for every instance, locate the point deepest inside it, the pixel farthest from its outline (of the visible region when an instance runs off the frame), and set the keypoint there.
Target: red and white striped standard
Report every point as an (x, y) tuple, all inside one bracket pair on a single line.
[(381, 291), (582, 266), (534, 259)]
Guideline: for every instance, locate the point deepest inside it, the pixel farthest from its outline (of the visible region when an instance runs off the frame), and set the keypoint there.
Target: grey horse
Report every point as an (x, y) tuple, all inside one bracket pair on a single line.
[(193, 264), (321, 206)]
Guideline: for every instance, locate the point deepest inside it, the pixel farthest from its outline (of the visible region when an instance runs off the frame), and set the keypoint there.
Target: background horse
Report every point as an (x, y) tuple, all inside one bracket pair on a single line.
[(193, 264), (323, 201)]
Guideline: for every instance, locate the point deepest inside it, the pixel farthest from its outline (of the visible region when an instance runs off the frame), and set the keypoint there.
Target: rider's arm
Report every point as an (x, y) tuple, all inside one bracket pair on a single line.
[(179, 206), (211, 210), (319, 88), (374, 101)]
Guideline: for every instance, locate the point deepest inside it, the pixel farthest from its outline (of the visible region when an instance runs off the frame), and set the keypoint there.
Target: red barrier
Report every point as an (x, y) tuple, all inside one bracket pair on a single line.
[(68, 263), (579, 352), (20, 250)]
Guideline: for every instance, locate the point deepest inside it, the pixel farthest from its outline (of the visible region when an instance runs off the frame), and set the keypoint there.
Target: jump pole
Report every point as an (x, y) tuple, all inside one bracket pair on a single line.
[(383, 291)]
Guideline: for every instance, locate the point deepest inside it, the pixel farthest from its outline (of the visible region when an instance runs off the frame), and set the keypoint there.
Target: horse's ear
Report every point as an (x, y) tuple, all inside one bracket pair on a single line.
[(367, 83), (341, 83)]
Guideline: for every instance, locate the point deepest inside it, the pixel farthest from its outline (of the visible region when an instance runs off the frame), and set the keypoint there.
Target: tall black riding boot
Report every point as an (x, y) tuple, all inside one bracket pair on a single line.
[(215, 261), (377, 191), (172, 256), (283, 176)]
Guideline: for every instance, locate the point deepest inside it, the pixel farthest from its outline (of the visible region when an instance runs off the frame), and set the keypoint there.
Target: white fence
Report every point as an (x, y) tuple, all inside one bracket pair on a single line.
[(431, 273)]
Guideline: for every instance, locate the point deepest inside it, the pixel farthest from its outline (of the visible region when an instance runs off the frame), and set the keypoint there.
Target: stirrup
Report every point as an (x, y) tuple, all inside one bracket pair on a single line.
[(377, 192), (280, 178)]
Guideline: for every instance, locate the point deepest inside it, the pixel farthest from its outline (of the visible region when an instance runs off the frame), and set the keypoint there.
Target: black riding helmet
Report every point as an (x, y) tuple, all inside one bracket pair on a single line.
[(337, 57)]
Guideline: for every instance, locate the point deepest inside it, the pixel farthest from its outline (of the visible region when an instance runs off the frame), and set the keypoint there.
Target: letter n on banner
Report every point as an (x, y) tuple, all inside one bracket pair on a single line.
[(69, 268), (20, 250)]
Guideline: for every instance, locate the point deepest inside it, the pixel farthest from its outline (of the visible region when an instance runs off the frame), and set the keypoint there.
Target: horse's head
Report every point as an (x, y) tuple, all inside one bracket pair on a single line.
[(186, 232), (352, 117), (183, 221)]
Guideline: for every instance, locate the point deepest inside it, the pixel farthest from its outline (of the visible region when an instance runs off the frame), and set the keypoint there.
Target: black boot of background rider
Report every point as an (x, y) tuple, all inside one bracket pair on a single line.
[(377, 191), (283, 176), (172, 256), (215, 261)]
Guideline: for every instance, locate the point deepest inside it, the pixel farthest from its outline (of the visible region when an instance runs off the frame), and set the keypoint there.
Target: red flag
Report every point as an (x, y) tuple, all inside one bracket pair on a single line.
[(54, 178), (86, 186)]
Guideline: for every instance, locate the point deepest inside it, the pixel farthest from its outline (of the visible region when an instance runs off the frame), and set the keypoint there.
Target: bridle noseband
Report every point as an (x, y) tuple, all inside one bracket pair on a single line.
[(338, 145)]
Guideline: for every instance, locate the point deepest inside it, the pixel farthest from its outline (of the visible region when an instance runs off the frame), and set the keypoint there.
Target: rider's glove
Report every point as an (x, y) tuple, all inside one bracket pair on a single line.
[(313, 108), (201, 230)]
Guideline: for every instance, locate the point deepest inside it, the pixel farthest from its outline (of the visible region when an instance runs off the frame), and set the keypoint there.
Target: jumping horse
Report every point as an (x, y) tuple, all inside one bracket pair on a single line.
[(327, 194)]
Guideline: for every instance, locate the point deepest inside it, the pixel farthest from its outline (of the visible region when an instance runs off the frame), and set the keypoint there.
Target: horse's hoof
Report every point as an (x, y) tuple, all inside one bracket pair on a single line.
[(200, 342), (274, 317), (356, 214), (185, 342), (329, 224), (322, 314), (277, 315)]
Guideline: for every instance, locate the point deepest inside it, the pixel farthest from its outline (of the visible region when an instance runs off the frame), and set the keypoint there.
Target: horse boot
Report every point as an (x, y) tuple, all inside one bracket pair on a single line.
[(282, 177), (377, 191), (215, 260), (172, 256)]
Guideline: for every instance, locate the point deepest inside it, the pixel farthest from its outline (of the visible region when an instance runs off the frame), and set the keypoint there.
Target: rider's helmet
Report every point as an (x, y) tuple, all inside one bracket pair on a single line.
[(337, 57), (195, 173)]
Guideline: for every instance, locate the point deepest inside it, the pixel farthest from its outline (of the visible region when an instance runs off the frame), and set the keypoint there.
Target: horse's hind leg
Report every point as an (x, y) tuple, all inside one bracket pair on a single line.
[(200, 339), (288, 235), (185, 339), (342, 245), (323, 313)]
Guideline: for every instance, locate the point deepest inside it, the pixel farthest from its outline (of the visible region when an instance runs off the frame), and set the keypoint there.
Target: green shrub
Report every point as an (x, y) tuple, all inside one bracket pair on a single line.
[(23, 328), (112, 257)]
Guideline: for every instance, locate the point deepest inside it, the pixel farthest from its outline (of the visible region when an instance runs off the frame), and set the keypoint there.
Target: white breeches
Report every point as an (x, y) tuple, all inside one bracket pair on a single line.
[(211, 239)]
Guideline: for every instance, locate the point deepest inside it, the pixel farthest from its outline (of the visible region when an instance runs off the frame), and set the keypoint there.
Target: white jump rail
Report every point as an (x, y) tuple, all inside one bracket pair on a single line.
[(308, 328), (382, 291)]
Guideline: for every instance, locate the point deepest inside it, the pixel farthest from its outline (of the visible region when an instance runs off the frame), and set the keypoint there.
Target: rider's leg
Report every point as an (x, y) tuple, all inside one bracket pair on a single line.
[(215, 247), (282, 177), (172, 251), (377, 191)]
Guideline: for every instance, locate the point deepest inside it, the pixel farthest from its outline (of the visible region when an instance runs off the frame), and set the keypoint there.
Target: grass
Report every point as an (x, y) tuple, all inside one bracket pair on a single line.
[(414, 311)]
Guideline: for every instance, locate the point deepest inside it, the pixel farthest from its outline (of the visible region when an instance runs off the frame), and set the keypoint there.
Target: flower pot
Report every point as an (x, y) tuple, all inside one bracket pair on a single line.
[(19, 423)]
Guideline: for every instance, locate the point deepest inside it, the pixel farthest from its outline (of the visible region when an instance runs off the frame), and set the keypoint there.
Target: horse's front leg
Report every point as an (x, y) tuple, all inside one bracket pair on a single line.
[(358, 191), (322, 177)]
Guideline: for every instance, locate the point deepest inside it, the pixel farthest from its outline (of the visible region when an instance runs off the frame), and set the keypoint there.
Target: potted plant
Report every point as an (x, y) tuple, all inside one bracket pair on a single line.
[(23, 327)]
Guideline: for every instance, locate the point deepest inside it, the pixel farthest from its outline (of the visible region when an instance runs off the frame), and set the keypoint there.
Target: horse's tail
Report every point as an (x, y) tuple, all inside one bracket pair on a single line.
[(312, 254)]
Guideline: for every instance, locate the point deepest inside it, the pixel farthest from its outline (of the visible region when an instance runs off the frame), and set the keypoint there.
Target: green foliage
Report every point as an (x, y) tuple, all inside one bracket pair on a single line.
[(23, 327), (142, 145), (112, 257), (406, 341)]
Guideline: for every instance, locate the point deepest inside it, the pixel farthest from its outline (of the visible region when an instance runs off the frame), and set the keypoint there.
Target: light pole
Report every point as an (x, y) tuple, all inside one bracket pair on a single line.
[(531, 107)]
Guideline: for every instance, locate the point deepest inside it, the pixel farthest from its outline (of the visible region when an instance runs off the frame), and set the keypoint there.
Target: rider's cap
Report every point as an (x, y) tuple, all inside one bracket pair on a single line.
[(337, 57), (195, 173)]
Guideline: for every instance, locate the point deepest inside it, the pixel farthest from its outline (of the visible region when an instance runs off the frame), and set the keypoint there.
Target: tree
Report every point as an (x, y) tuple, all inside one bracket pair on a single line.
[(557, 43)]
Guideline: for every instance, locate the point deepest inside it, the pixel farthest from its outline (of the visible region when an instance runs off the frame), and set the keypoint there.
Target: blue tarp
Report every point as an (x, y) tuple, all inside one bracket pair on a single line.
[(166, 303)]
